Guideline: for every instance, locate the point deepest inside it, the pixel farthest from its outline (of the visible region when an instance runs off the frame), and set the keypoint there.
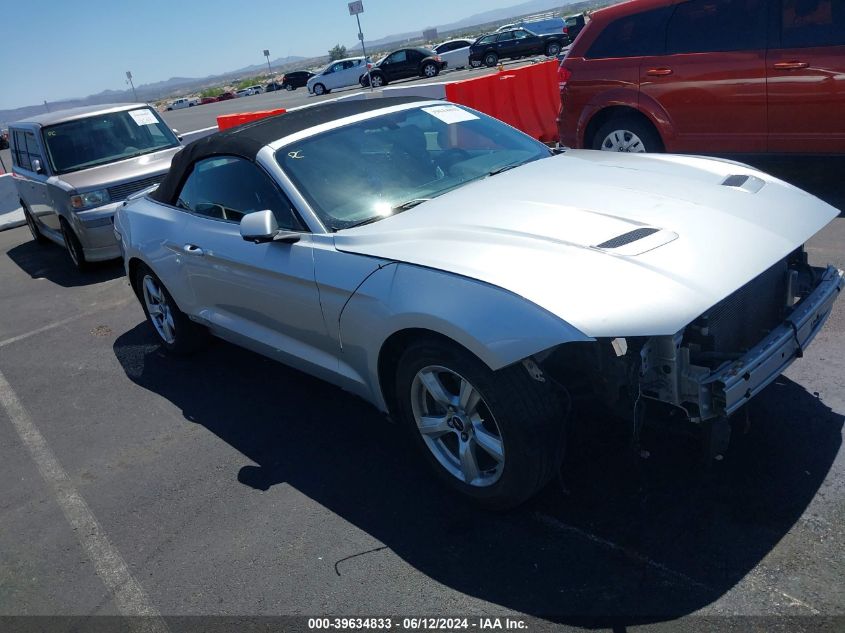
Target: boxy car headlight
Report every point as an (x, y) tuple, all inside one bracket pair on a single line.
[(90, 199)]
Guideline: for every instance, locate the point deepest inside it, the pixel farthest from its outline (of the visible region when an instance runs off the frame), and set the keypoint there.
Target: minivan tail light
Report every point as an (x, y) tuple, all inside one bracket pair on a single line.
[(563, 75)]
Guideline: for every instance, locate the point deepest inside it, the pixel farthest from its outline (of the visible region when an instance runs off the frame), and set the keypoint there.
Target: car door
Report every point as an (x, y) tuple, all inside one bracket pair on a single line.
[(394, 65), (506, 44), (805, 69), (332, 77), (262, 296), (711, 81), (526, 43)]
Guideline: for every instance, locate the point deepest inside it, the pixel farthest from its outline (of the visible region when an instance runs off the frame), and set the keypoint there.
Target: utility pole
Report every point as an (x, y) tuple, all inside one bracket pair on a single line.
[(46, 107), (129, 79), (267, 55), (357, 8)]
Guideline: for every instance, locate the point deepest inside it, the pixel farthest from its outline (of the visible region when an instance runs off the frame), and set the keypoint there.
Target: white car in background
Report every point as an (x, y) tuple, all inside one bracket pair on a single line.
[(244, 92), (184, 102), (454, 52), (339, 74)]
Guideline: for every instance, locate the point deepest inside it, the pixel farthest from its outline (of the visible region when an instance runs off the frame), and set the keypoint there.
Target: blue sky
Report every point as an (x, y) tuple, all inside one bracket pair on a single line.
[(56, 49)]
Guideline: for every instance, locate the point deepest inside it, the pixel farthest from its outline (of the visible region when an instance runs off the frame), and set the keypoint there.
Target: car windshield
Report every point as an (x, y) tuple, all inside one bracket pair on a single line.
[(106, 138), (371, 169)]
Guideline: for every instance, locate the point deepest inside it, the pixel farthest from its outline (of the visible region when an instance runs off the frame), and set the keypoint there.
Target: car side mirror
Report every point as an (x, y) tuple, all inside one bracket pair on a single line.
[(37, 167), (261, 226)]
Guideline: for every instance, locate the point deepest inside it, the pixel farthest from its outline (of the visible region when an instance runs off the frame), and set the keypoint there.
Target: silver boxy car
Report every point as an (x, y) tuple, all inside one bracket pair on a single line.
[(73, 168), (419, 254)]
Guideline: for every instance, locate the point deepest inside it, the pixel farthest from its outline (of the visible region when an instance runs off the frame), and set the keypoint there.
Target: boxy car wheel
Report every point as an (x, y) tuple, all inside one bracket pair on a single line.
[(73, 245), (175, 331), (495, 437)]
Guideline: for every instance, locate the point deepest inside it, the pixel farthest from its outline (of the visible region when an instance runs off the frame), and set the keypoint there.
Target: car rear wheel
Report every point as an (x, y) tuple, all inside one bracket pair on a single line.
[(74, 246), (377, 80), (430, 70), (495, 437), (552, 49), (175, 331), (33, 227), (289, 88), (319, 89), (627, 134), (491, 59)]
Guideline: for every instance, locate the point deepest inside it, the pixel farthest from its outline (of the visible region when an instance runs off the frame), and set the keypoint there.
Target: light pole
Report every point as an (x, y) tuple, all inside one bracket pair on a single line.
[(129, 79), (267, 55), (357, 8)]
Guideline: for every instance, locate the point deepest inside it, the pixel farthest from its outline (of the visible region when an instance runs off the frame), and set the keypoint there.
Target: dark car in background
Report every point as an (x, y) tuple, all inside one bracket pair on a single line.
[(404, 63), (207, 100), (225, 96), (295, 79), (513, 44), (574, 24)]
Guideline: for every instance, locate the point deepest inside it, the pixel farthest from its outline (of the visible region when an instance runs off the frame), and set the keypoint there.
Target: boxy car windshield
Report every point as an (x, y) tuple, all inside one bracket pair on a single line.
[(106, 138)]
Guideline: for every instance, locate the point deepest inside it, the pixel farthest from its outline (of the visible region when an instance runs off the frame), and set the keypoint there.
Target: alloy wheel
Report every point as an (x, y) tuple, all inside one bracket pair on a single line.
[(159, 310), (376, 81), (430, 70), (457, 426), (623, 141)]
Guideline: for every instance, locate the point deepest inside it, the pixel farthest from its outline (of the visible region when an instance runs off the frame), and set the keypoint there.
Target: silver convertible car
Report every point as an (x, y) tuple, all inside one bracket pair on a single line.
[(423, 256)]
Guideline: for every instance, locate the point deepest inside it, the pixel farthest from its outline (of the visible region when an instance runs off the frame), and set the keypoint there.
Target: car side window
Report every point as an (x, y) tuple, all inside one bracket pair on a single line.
[(521, 35), (227, 188), (705, 26), (507, 36), (488, 39), (635, 35), (397, 57), (20, 153), (806, 23)]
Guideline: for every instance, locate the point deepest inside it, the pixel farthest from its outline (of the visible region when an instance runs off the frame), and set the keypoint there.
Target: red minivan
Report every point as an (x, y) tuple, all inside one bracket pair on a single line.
[(708, 76)]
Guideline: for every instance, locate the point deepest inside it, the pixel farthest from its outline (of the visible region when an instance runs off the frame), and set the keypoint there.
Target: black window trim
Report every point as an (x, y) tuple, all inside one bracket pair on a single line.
[(17, 151), (296, 212)]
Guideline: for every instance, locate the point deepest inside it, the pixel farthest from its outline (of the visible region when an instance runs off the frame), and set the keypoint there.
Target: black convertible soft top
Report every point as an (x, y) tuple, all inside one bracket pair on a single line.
[(247, 139)]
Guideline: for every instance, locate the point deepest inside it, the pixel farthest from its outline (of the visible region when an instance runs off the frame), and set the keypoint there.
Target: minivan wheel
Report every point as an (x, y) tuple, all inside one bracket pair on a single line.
[(430, 70), (176, 332), (552, 49), (627, 134), (494, 437), (33, 227), (73, 245), (319, 89), (491, 59)]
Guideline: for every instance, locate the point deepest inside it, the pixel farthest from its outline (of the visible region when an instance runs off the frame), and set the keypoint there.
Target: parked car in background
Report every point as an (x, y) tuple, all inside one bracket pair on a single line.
[(338, 74), (225, 96), (367, 242), (273, 86), (542, 24), (296, 79), (244, 92), (404, 63), (74, 168), (574, 25), (513, 44), (184, 102), (256, 89), (205, 100), (708, 76), (4, 139), (454, 53)]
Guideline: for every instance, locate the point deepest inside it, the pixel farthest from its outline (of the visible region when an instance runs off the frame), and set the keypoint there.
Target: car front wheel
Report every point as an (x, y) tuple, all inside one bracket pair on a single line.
[(175, 331), (495, 437), (627, 134), (319, 89), (74, 246), (289, 88)]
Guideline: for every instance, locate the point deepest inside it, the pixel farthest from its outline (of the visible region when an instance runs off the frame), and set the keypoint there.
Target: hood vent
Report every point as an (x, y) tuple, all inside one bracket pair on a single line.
[(751, 184), (627, 238)]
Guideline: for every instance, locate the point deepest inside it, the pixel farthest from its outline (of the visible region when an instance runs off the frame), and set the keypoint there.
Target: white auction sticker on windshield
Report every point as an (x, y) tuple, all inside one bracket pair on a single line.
[(450, 113), (143, 117)]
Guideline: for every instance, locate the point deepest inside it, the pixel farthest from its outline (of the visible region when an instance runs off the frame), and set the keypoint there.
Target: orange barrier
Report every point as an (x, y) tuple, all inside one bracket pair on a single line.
[(225, 121), (527, 98)]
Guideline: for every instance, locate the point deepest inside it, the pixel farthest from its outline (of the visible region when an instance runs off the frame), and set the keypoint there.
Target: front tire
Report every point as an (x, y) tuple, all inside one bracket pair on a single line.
[(491, 59), (74, 246), (377, 80), (627, 134), (319, 89), (494, 437), (175, 331), (290, 88)]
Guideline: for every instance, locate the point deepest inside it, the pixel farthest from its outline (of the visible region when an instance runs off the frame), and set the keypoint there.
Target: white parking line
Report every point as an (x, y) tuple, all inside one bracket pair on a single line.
[(129, 597), (100, 308)]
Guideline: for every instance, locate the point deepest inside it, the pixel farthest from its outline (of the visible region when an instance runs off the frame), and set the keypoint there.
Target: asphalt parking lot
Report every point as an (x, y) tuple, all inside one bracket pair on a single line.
[(227, 485)]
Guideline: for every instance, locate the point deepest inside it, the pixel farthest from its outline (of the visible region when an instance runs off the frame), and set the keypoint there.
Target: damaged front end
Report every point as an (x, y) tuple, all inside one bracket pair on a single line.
[(739, 346)]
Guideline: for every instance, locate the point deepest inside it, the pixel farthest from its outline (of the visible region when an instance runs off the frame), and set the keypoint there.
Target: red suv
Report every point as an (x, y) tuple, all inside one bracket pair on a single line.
[(711, 76)]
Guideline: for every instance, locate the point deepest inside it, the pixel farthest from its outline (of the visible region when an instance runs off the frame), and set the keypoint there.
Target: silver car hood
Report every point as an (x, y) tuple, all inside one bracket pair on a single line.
[(121, 171), (535, 231)]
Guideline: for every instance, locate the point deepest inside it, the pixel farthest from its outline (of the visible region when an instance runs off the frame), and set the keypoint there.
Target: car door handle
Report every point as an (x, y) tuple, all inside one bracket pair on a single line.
[(658, 72), (190, 249), (791, 65)]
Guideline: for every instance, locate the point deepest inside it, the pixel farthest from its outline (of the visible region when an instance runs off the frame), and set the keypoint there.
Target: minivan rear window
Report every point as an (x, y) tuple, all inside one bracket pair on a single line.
[(806, 23), (635, 35), (106, 138), (707, 26)]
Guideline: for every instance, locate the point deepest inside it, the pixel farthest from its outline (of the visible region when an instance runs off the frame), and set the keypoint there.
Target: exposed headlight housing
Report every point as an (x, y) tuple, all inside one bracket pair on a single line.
[(90, 199)]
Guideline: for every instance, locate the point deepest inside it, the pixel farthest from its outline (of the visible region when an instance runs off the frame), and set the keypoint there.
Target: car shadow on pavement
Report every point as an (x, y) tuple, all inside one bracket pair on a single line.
[(51, 262), (620, 540)]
